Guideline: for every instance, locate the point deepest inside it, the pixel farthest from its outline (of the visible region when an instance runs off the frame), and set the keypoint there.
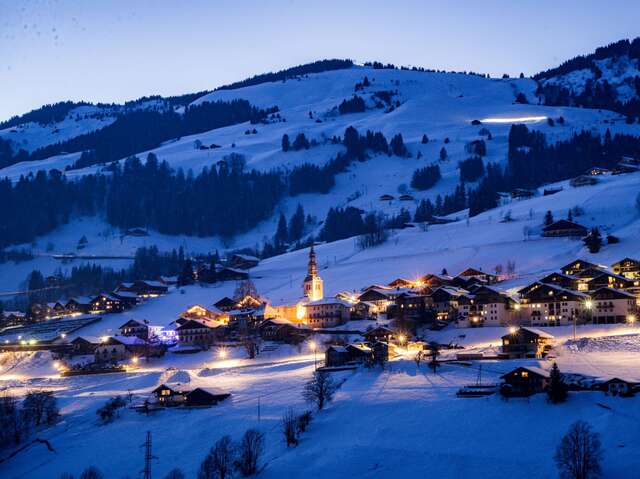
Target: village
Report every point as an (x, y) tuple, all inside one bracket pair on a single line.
[(390, 321)]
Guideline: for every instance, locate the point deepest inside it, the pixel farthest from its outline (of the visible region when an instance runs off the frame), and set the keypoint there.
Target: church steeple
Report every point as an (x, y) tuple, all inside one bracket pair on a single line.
[(312, 286)]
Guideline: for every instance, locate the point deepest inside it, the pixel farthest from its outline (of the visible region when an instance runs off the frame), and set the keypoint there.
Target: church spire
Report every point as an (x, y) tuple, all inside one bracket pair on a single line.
[(312, 270)]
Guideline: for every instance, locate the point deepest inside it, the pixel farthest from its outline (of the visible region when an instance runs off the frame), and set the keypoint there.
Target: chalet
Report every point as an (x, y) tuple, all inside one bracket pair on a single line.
[(551, 191), (488, 278), (413, 306), (525, 381), (522, 193), (195, 333), (610, 305), (549, 305), (406, 198), (627, 267), (619, 387), (201, 397), (79, 304), (243, 261), (106, 303), (200, 312), (484, 307), (246, 319), (565, 228), (13, 318), (444, 301), (597, 171), (277, 329), (110, 350), (434, 281), (525, 343), (144, 288), (360, 353), (225, 304), (138, 329), (56, 310), (336, 356), (401, 283), (578, 266), (378, 334), (168, 396), (232, 274), (561, 280), (327, 312), (127, 299), (603, 279), (386, 197), (379, 296), (363, 310), (583, 180), (622, 168), (82, 346)]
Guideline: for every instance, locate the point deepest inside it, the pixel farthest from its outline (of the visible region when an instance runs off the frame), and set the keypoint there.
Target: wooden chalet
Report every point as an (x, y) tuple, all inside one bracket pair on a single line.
[(597, 171), (379, 333), (82, 346), (525, 342), (604, 279), (583, 180), (195, 333), (110, 350), (578, 266), (225, 304), (560, 279), (106, 303), (203, 397), (549, 305), (518, 193), (144, 288), (406, 198), (619, 387), (488, 278), (138, 329), (336, 356), (627, 267), (413, 306), (565, 228), (79, 304), (351, 353), (276, 329), (168, 396), (524, 381), (128, 299), (231, 274), (243, 261), (378, 296), (401, 283), (609, 306), (386, 197)]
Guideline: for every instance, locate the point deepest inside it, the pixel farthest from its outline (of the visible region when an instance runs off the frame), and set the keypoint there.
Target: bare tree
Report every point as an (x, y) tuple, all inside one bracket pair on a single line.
[(579, 453), (40, 407), (250, 449), (418, 358), (251, 346), (289, 428), (303, 421), (319, 389), (91, 472), (222, 454), (175, 474)]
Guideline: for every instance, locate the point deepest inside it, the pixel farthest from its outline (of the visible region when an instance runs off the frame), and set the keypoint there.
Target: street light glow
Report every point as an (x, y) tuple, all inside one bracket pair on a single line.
[(517, 119), (313, 345)]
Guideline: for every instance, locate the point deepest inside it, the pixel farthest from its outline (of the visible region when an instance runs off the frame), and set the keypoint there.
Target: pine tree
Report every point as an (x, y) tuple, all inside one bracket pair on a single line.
[(548, 218), (285, 143), (425, 139), (593, 241), (443, 154), (570, 215), (296, 224), (282, 235), (557, 390)]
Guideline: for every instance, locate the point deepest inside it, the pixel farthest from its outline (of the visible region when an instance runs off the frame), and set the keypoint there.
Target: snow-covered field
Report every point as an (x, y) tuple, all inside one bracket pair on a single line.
[(395, 422)]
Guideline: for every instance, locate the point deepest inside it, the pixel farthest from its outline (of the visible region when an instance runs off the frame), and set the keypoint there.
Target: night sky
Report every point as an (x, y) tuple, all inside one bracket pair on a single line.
[(118, 50)]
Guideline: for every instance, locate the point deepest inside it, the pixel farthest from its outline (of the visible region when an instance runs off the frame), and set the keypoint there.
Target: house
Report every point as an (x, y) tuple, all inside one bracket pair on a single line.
[(619, 387), (144, 288), (232, 274), (560, 279), (524, 381), (444, 301), (386, 197), (276, 329), (525, 343), (201, 397), (168, 396), (413, 306), (610, 306), (195, 333), (79, 304), (243, 261), (406, 198), (522, 193), (564, 228), (327, 312), (336, 356), (135, 328), (551, 191), (14, 318), (597, 171), (106, 303), (56, 310), (603, 279), (379, 296), (81, 346), (583, 180), (225, 304), (110, 350), (484, 307), (128, 299), (378, 334), (627, 267), (488, 278), (401, 283), (199, 312), (578, 266), (549, 305), (360, 353)]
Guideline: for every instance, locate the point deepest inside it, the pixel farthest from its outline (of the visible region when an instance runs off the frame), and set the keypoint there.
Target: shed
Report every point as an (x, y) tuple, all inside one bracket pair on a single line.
[(524, 381), (205, 397)]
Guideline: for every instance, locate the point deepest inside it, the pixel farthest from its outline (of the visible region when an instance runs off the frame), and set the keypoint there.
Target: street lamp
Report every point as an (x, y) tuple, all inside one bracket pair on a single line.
[(314, 348), (222, 353)]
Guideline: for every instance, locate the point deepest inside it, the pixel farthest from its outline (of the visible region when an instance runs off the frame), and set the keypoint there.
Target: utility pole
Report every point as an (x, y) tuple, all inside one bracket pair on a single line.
[(146, 473), (258, 408)]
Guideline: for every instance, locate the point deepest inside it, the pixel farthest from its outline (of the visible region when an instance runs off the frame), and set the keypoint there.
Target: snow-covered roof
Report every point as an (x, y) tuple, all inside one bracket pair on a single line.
[(327, 301), (539, 332)]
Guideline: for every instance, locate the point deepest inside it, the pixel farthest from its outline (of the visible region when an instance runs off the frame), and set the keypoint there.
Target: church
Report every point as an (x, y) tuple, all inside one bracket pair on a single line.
[(313, 309)]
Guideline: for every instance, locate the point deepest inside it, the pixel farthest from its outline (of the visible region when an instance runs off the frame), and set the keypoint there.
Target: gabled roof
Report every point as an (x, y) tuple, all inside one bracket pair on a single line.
[(564, 225), (583, 265), (531, 369), (192, 324), (132, 323), (616, 292), (633, 260)]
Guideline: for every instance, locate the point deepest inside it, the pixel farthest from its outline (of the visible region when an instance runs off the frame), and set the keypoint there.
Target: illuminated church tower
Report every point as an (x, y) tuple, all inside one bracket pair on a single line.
[(313, 288)]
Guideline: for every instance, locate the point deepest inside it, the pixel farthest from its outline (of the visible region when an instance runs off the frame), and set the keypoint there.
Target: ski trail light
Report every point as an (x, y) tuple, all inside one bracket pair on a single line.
[(222, 354)]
